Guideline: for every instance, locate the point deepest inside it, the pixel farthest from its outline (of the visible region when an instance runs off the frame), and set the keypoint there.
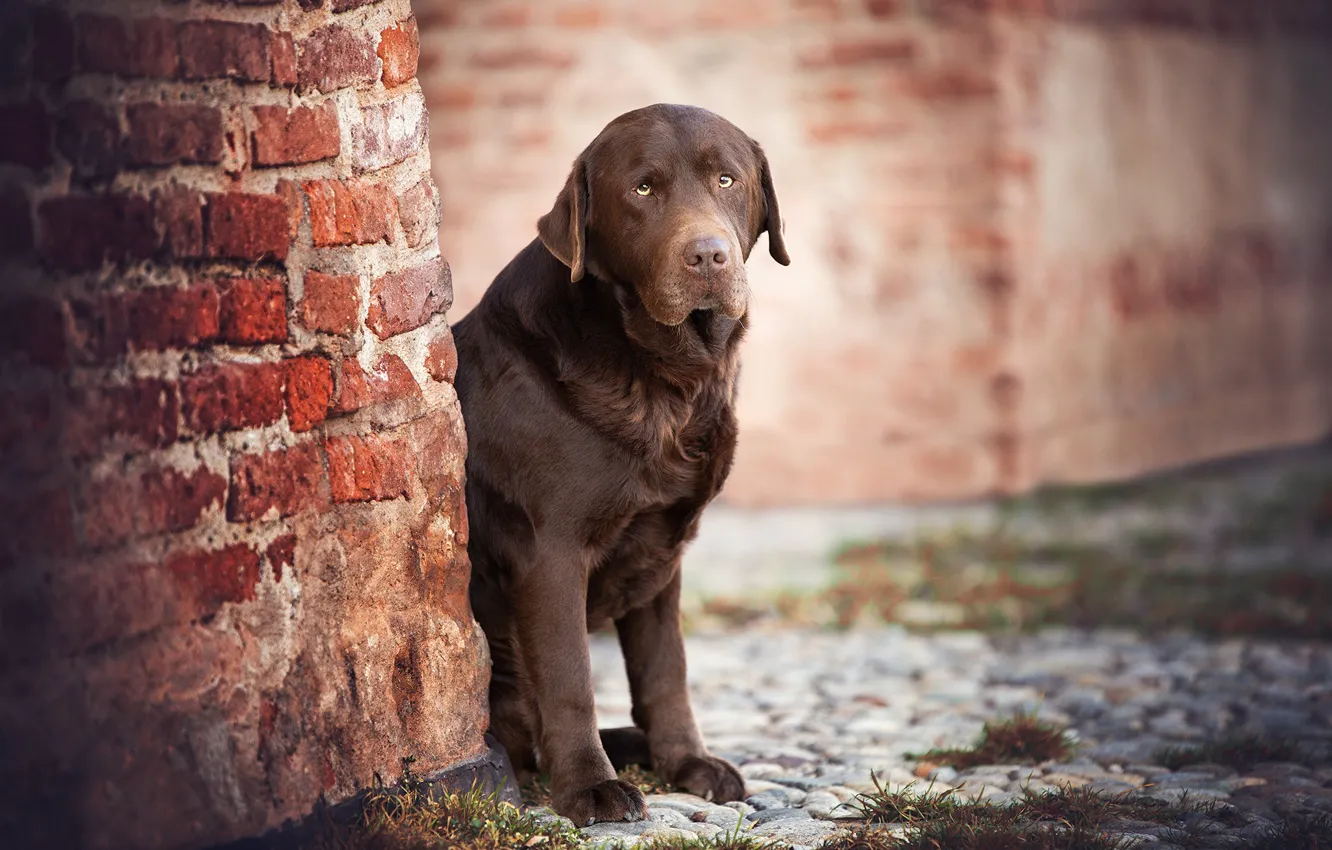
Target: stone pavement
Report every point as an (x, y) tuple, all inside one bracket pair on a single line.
[(809, 714)]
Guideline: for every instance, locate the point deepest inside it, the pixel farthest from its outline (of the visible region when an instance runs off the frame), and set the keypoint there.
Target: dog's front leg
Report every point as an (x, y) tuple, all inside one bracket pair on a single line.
[(654, 658), (551, 622)]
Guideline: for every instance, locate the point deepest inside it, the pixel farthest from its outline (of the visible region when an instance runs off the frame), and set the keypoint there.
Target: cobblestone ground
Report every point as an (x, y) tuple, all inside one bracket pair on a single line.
[(809, 714)]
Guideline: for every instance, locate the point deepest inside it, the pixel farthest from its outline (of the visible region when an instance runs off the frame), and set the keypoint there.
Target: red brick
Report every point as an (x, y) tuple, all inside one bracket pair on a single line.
[(210, 579), (954, 84), (403, 301), (246, 227), (142, 48), (253, 310), (347, 5), (88, 136), (26, 140), (883, 8), (80, 233), (178, 214), (282, 49), (580, 16), (281, 554), (524, 56), (166, 317), (117, 507), (167, 134), (232, 397), (280, 483), (142, 414), (52, 44), (309, 391), (859, 52), (16, 236), (292, 136), (389, 381), (334, 57), (441, 361), (418, 209), (332, 303), (33, 329), (224, 49), (399, 50), (366, 469), (852, 130), (352, 213)]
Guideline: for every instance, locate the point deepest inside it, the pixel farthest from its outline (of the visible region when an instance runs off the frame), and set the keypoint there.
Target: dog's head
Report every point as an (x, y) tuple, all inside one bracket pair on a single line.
[(669, 200)]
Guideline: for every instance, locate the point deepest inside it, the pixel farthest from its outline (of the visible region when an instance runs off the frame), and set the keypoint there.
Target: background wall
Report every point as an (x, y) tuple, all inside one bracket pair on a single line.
[(1031, 241), (232, 565)]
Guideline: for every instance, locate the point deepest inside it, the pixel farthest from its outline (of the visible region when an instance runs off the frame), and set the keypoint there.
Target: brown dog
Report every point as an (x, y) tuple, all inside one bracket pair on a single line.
[(597, 379)]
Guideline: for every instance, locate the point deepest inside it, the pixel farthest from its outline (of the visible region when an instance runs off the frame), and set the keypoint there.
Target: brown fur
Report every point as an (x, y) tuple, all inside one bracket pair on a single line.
[(598, 379)]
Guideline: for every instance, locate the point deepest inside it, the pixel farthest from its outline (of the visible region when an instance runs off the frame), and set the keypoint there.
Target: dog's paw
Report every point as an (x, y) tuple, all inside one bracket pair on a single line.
[(710, 778), (604, 802)]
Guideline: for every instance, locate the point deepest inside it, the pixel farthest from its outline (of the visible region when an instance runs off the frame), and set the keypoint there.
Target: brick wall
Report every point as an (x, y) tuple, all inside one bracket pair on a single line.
[(233, 565), (948, 326)]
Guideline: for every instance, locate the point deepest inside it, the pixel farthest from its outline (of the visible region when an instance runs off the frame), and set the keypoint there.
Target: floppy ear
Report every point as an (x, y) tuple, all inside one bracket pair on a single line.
[(772, 217), (563, 230)]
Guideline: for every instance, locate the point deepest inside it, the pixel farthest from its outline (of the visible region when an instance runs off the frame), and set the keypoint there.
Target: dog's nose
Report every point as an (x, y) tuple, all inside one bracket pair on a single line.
[(707, 255)]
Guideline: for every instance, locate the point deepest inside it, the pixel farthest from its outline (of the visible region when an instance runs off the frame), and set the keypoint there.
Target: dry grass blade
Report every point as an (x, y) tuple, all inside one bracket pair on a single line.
[(1023, 739)]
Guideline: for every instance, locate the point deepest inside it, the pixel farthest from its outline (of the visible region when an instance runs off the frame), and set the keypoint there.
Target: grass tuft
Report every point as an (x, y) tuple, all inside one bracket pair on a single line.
[(735, 839), (906, 805), (413, 815), (1023, 739), (1238, 751), (536, 792), (1299, 831)]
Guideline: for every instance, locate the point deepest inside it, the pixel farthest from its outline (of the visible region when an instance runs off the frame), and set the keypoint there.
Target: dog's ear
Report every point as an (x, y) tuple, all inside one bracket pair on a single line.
[(772, 216), (563, 230)]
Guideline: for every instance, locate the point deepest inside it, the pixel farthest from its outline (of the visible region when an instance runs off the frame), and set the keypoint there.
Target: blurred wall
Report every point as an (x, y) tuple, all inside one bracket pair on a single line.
[(1027, 246)]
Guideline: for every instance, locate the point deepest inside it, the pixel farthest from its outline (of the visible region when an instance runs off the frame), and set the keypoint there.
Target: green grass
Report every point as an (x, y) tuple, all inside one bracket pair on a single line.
[(1023, 739), (1052, 819), (537, 791)]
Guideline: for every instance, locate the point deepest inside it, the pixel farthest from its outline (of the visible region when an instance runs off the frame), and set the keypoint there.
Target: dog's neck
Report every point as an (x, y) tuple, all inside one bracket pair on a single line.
[(686, 354)]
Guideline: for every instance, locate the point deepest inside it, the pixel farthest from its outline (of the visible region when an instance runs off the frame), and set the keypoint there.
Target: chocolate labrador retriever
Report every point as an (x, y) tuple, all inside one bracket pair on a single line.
[(597, 377)]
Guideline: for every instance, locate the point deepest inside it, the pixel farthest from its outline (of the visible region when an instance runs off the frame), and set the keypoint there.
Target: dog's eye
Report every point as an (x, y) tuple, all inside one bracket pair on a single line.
[(725, 181), (643, 189)]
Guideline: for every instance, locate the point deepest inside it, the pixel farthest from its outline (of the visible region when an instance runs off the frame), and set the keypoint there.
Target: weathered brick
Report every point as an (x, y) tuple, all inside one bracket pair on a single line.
[(246, 227), (16, 236), (292, 136), (282, 50), (224, 49), (389, 381), (347, 5), (52, 44), (231, 397), (419, 210), (274, 484), (309, 391), (178, 215), (147, 47), (860, 52), (88, 137), (403, 301), (354, 213), (522, 56), (117, 507), (80, 233), (281, 554), (32, 329), (167, 317), (334, 57), (141, 414), (211, 578), (26, 140), (253, 310), (389, 132), (165, 134), (400, 50), (366, 469), (332, 303), (441, 360)]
